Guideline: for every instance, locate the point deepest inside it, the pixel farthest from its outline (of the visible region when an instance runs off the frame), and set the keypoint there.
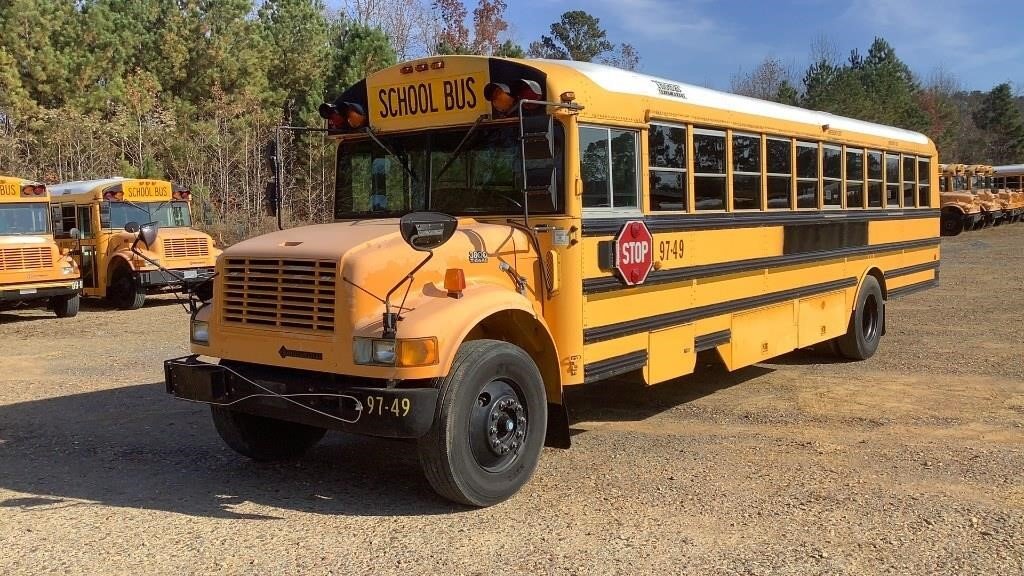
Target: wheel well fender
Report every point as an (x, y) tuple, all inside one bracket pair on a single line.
[(955, 209)]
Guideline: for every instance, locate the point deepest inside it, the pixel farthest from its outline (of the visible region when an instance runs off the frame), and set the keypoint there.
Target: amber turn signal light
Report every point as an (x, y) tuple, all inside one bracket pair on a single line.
[(454, 282)]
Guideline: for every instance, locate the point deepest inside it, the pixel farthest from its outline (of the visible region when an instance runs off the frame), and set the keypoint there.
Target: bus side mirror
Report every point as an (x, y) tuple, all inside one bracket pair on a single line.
[(132, 227), (538, 155), (271, 199), (425, 231), (148, 233)]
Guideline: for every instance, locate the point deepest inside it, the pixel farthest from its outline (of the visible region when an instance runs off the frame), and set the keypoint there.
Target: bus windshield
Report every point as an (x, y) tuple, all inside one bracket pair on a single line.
[(24, 218), (441, 170), (167, 214)]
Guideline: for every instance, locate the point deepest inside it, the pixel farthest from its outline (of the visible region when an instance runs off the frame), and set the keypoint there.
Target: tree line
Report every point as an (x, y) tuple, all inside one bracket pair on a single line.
[(967, 126), (192, 90)]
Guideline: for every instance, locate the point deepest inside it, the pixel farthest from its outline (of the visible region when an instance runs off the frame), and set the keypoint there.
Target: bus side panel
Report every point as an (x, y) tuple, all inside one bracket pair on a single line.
[(762, 334), (822, 318), (670, 354)]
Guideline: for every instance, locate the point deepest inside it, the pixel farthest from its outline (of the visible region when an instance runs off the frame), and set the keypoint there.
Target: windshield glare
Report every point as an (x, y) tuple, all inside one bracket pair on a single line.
[(24, 218), (167, 214), (484, 178)]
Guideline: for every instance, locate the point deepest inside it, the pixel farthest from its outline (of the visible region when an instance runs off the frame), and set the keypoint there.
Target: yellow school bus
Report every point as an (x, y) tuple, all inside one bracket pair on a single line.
[(507, 228), (100, 210), (979, 182), (1009, 180), (961, 210), (32, 269)]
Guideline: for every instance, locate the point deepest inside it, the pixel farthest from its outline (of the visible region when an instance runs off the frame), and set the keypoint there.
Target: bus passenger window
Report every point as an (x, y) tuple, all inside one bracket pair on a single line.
[(85, 221), (624, 177), (595, 167), (854, 178), (709, 169), (874, 179), (667, 158), (746, 172), (832, 172), (892, 180), (909, 181), (67, 218), (780, 172), (807, 188), (924, 179)]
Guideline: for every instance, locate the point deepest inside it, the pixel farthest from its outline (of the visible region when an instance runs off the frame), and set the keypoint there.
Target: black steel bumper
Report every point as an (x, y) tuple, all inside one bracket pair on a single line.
[(387, 412), (161, 278), (24, 295)]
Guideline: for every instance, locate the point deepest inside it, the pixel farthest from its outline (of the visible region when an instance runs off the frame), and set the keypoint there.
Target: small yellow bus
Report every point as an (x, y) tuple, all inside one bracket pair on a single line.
[(100, 210), (961, 210), (1009, 180), (507, 228), (33, 270)]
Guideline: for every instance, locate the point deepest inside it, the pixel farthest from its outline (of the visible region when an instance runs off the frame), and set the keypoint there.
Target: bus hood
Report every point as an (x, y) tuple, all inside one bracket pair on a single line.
[(372, 258)]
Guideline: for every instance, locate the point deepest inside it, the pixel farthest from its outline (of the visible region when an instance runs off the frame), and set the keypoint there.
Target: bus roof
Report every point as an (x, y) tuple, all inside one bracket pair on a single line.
[(1009, 169), (80, 186), (627, 82)]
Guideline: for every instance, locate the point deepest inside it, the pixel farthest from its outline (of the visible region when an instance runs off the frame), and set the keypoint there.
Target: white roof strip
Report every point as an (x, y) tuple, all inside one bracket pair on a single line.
[(626, 82), (79, 186), (1009, 169)]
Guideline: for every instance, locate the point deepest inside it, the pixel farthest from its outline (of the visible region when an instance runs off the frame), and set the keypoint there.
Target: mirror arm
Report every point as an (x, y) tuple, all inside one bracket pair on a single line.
[(391, 318)]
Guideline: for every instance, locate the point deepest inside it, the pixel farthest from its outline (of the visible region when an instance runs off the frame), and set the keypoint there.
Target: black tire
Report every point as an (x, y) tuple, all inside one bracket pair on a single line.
[(124, 290), (66, 306), (952, 223), (490, 381), (865, 329), (264, 439)]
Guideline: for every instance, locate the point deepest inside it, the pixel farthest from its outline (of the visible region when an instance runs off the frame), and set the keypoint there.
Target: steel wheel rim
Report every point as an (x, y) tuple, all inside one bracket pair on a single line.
[(869, 319), (498, 425)]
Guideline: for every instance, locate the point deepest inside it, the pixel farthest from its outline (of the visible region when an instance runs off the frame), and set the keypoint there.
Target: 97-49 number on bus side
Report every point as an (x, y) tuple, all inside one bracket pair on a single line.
[(671, 249)]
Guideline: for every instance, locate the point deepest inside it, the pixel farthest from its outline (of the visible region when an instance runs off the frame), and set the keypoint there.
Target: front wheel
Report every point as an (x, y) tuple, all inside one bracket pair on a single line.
[(952, 223), (125, 291), (264, 439), (66, 306), (865, 329), (489, 429)]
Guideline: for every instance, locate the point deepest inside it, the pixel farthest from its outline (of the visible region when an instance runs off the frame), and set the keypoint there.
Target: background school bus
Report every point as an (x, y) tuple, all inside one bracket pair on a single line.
[(99, 211), (33, 270)]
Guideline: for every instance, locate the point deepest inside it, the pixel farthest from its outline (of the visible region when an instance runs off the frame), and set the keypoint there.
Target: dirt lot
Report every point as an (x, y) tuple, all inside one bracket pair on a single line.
[(909, 463)]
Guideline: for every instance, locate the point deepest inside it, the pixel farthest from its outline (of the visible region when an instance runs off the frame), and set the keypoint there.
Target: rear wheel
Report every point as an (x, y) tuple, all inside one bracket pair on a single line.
[(125, 291), (66, 306), (865, 329), (490, 424), (264, 439)]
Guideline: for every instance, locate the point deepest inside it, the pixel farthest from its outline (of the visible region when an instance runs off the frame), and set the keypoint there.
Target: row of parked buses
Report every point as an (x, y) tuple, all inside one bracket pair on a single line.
[(61, 242), (974, 196)]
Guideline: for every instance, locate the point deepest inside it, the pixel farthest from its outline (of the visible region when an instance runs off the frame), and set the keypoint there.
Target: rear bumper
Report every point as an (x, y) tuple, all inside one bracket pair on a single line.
[(36, 292), (162, 279), (387, 412)]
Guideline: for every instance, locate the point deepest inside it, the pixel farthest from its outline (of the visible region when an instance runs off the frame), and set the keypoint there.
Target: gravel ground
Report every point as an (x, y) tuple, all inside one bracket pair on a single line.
[(909, 463)]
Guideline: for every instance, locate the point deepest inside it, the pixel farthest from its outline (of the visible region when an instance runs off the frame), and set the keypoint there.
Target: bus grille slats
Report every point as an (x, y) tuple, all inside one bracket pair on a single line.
[(185, 247), (31, 258), (286, 294)]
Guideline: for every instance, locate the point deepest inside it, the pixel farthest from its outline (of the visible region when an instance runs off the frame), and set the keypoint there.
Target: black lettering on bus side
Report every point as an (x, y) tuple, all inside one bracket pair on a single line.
[(458, 94), (382, 96)]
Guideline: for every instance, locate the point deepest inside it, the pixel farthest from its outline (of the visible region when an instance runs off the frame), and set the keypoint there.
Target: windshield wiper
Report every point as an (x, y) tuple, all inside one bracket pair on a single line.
[(458, 150), (391, 153)]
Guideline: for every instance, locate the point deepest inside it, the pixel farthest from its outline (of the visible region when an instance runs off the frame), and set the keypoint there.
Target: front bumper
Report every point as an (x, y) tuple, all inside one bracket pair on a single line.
[(374, 411), (29, 292), (162, 279)]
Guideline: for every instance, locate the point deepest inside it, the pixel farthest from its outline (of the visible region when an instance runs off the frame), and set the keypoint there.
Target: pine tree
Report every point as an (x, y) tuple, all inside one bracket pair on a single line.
[(576, 36), (1003, 127)]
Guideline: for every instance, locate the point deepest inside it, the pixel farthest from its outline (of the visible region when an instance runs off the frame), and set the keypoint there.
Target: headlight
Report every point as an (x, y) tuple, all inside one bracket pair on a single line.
[(67, 270), (401, 352), (200, 331)]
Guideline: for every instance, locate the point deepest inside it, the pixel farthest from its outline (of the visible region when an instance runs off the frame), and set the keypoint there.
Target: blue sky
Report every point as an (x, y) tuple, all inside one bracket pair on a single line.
[(707, 42)]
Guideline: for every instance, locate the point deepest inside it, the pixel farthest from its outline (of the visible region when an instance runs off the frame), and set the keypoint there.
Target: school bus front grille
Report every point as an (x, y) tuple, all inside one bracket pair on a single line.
[(280, 294), (32, 258), (185, 247)]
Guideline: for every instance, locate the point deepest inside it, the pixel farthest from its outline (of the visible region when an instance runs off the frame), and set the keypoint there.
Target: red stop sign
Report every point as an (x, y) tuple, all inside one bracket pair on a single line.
[(634, 252)]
